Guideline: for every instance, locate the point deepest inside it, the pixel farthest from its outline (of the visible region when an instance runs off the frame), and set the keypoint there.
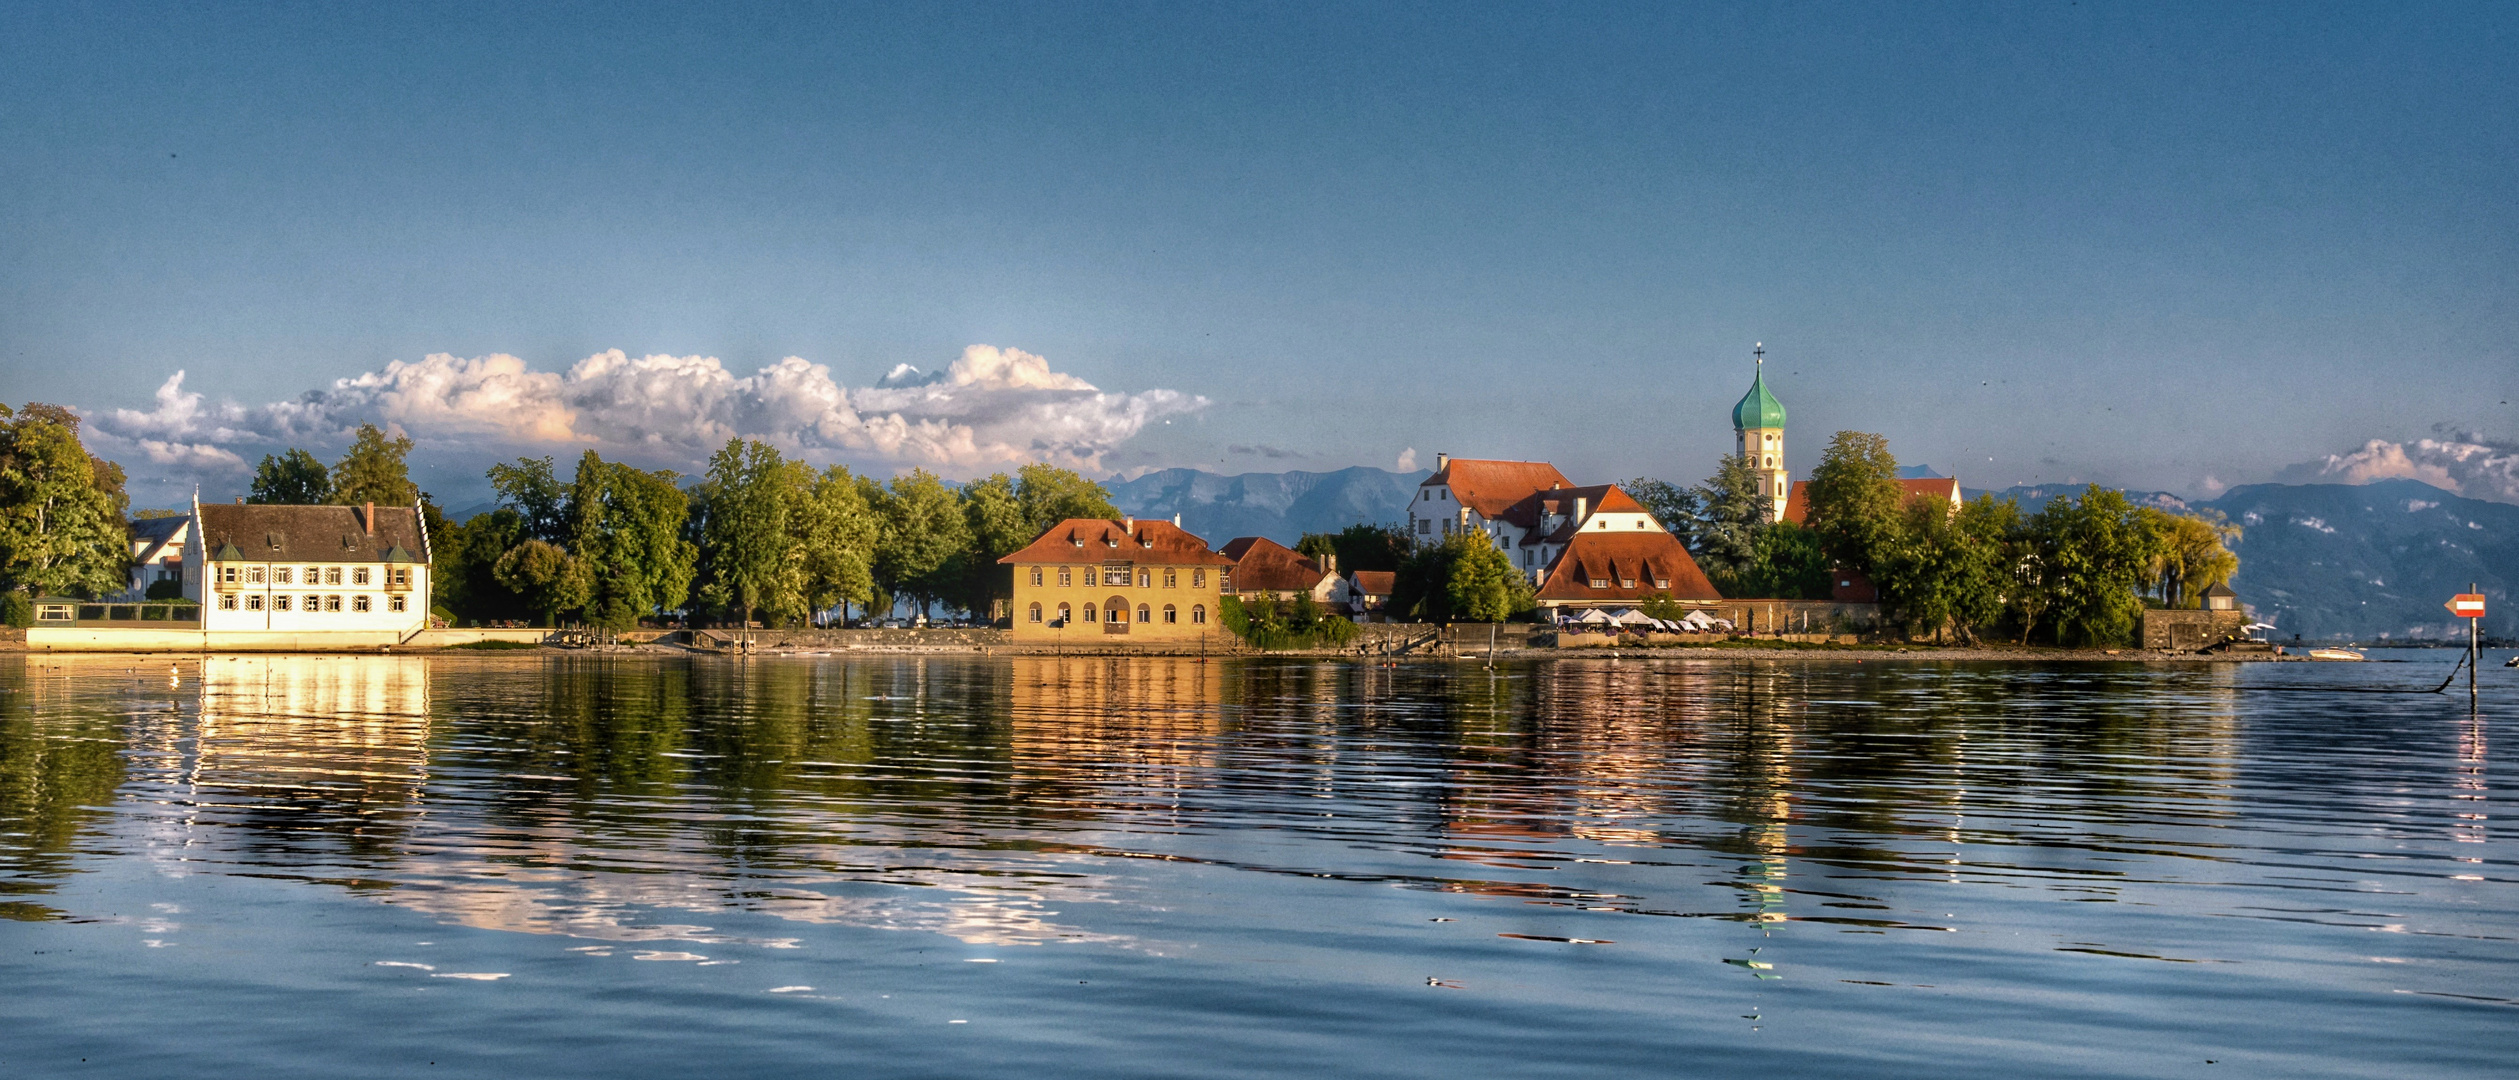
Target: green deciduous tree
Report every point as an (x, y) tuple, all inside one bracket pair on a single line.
[(1050, 495), (925, 537), (1784, 563), (1462, 579), (2191, 553), (61, 527), (464, 578), (2091, 554), (746, 554), (1948, 571), (836, 536), (1361, 547), (1854, 499), (626, 524), (546, 577), (532, 489), (374, 471), (292, 478)]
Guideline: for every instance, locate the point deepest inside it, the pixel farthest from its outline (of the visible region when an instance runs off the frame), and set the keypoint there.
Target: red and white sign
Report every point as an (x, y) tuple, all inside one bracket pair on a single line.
[(2467, 605)]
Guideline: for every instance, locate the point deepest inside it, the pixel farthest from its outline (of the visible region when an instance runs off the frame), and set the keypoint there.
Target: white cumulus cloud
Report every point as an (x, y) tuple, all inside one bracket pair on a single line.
[(989, 408), (2469, 465)]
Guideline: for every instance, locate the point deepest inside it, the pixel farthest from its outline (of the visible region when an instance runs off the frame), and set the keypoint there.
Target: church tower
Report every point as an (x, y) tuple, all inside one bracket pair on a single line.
[(1758, 422)]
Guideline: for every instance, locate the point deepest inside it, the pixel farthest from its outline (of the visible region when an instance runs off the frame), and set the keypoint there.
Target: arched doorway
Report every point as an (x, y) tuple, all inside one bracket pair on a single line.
[(1115, 616)]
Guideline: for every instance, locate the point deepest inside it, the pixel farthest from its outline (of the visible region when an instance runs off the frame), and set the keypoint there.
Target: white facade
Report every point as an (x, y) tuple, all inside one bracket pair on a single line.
[(351, 588)]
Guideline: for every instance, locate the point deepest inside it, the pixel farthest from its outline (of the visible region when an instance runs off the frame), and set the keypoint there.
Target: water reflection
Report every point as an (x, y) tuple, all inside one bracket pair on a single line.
[(1751, 819)]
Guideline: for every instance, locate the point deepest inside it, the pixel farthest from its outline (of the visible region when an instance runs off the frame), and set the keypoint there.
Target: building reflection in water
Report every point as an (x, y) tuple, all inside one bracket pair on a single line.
[(584, 795)]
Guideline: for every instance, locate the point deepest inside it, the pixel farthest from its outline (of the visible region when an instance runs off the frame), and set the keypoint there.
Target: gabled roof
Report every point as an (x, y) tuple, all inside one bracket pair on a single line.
[(1642, 557), (157, 530), (263, 533), (1147, 540), (1492, 487), (1374, 582), (1598, 498), (1797, 504), (1264, 565)]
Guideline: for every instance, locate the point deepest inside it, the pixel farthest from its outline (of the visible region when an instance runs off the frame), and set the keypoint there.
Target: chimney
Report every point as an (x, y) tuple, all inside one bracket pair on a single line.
[(1128, 525), (240, 500), (371, 518), (1330, 562), (1579, 503), (1442, 461), (1176, 521)]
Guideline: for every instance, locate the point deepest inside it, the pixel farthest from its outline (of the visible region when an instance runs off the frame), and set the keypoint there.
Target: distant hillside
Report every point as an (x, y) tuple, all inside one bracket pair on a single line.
[(1280, 506), (2372, 561), (2354, 561)]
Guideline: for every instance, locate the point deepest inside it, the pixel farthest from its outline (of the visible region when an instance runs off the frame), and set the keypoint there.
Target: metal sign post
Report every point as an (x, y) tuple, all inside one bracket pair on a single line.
[(2469, 605)]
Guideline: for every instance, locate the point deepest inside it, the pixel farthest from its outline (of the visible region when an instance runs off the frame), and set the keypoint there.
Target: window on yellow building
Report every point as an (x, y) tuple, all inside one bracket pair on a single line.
[(1198, 613), (1036, 608), (1145, 580), (1171, 614), (1089, 613), (1171, 579), (1064, 614), (1036, 581), (1198, 579), (1066, 577), (1141, 614)]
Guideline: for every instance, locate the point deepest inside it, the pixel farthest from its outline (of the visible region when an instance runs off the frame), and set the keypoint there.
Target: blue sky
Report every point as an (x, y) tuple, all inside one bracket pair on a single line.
[(2028, 242)]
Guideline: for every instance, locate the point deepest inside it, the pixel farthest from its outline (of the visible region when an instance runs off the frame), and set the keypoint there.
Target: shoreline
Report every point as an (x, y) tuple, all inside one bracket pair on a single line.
[(1744, 651)]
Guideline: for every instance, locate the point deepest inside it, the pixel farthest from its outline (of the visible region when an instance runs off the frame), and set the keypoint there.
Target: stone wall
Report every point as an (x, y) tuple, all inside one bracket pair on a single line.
[(855, 638), (1764, 618), (2186, 631)]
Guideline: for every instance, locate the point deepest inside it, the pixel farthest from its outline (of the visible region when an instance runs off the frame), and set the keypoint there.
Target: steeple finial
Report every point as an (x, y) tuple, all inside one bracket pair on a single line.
[(1761, 353)]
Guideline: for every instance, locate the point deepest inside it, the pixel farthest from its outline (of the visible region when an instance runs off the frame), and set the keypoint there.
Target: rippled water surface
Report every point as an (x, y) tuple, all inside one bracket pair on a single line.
[(585, 866)]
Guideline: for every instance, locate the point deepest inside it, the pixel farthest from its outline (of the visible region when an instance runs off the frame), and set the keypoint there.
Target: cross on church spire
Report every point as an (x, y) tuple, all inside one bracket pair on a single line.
[(1761, 353)]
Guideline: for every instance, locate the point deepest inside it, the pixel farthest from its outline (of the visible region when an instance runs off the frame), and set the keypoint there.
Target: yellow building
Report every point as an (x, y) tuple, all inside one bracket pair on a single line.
[(1090, 581)]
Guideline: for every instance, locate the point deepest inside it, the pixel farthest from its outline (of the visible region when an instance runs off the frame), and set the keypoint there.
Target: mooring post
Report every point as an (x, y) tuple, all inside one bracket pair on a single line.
[(2474, 650)]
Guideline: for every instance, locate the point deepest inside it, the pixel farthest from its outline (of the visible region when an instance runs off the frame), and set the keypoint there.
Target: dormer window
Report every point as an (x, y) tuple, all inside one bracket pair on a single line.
[(1600, 583)]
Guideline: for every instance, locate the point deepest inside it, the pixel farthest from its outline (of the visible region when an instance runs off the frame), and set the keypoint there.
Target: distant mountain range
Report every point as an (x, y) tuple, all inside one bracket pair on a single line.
[(1280, 506), (2368, 562)]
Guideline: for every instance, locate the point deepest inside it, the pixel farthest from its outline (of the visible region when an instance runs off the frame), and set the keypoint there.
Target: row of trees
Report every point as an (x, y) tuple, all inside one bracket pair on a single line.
[(2079, 571), (759, 536)]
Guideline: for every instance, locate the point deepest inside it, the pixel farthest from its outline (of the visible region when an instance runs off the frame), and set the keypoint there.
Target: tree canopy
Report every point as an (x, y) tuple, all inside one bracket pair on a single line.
[(291, 478), (61, 524), (374, 471)]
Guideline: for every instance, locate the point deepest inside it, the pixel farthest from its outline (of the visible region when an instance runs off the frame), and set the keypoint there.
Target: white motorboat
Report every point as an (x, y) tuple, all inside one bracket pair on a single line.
[(2334, 652)]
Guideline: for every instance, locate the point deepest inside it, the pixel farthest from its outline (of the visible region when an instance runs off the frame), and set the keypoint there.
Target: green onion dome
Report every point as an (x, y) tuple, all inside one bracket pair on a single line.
[(1758, 408)]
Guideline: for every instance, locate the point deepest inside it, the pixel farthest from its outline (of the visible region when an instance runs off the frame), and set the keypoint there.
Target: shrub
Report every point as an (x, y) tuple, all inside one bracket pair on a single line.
[(17, 609)]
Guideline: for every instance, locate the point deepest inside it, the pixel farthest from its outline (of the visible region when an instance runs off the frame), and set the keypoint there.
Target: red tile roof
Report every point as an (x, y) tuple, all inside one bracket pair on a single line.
[(1492, 487), (1264, 565), (1641, 557), (1374, 582), (1797, 503), (1149, 540), (1599, 498)]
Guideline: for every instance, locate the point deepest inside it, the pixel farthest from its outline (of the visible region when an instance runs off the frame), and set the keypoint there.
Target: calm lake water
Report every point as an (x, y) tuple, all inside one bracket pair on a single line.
[(587, 866)]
